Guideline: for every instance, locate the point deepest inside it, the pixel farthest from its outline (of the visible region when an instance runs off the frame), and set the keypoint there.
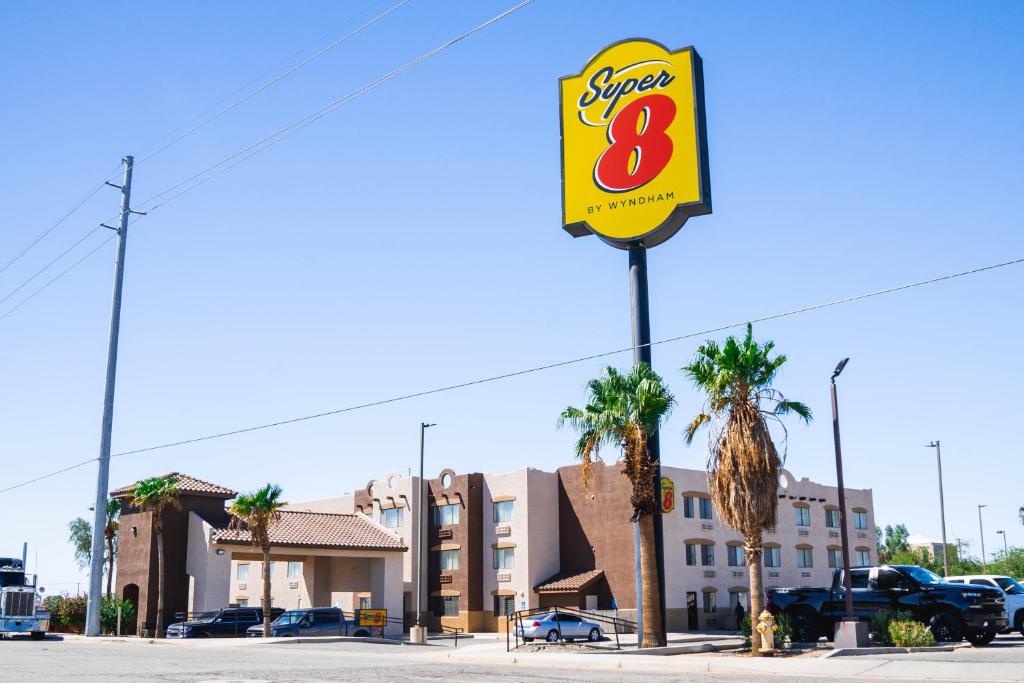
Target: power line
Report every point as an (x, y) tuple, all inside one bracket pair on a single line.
[(298, 125), (47, 266), (528, 371)]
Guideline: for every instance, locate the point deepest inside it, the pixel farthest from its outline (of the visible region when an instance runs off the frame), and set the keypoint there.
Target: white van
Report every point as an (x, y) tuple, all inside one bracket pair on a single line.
[(1014, 594)]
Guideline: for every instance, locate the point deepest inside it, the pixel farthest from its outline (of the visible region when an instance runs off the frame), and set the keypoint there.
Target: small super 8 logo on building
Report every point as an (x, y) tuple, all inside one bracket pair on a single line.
[(634, 147)]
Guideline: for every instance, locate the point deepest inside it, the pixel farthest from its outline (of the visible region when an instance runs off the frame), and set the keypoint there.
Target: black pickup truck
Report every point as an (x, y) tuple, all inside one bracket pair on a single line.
[(951, 611), (226, 623)]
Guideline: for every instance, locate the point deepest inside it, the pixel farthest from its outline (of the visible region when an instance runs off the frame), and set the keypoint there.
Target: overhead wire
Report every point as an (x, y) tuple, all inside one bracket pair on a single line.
[(532, 370)]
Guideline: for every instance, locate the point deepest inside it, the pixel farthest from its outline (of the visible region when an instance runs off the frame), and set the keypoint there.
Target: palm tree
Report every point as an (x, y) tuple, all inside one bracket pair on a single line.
[(623, 411), (259, 511), (80, 538), (743, 463), (110, 534), (153, 495)]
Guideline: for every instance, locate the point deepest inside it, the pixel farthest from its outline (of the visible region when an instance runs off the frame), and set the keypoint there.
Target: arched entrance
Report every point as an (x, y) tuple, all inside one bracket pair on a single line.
[(130, 594)]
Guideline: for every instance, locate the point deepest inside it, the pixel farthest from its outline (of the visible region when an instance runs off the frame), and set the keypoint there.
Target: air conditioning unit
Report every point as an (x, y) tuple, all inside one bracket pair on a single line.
[(242, 586), (803, 532), (805, 575), (709, 573), (445, 578), (504, 577), (444, 533), (833, 534), (861, 534), (502, 530), (707, 526), (773, 575), (293, 584), (737, 575)]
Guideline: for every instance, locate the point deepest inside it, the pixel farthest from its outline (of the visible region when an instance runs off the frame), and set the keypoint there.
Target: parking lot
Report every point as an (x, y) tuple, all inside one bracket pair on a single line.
[(480, 659)]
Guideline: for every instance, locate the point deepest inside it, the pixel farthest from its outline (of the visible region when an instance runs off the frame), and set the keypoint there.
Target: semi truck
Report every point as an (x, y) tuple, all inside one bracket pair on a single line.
[(21, 610)]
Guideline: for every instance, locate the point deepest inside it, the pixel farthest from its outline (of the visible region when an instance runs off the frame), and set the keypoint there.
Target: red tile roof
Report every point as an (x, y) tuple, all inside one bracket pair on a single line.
[(569, 582), (319, 530), (188, 485)]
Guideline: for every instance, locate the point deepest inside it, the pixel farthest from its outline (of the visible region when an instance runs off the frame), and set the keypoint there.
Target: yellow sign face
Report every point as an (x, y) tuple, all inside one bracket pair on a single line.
[(373, 617), (634, 144), (668, 495)]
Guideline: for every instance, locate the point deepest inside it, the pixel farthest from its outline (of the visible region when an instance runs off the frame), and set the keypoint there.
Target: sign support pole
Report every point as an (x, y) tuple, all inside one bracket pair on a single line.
[(641, 318)]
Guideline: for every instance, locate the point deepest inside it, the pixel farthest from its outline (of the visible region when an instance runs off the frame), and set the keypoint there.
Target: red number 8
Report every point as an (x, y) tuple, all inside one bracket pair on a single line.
[(652, 114)]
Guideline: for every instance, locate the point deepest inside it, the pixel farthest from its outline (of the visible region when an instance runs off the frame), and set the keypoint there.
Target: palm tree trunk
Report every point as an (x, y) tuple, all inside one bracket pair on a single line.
[(158, 525), (266, 591), (756, 595), (652, 635), (110, 561)]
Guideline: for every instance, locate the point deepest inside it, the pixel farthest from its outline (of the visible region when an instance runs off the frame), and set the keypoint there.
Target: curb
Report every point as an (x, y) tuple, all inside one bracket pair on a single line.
[(864, 651)]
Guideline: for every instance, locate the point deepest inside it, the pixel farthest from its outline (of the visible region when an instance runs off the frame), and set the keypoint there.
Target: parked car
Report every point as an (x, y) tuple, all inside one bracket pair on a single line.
[(1014, 594), (555, 625), (952, 611), (311, 621), (226, 623)]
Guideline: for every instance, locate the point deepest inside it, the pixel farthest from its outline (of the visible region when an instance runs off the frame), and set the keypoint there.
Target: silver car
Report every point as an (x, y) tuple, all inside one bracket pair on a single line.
[(553, 625)]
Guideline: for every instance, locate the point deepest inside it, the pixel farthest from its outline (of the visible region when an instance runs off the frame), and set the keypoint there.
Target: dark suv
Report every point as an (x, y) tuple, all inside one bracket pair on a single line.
[(227, 623), (311, 621)]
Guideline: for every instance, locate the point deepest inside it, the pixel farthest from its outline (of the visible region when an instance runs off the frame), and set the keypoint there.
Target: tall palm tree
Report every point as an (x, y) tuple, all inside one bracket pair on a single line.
[(259, 512), (153, 495), (743, 464), (623, 411), (110, 532)]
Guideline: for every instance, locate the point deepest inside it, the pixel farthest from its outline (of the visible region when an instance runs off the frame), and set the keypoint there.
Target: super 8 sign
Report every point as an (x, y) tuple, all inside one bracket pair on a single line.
[(634, 144)]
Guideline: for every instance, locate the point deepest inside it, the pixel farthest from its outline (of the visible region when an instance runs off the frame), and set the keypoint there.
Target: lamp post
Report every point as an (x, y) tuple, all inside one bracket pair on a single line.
[(421, 564), (942, 506), (850, 632), (1006, 548), (981, 531)]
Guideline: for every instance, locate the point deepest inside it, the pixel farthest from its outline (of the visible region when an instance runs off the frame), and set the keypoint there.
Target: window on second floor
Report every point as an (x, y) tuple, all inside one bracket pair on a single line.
[(804, 558), (835, 558), (242, 572), (802, 515), (862, 558), (707, 555), (448, 560), (391, 518), (832, 519), (446, 514), (688, 507), (691, 555), (504, 558), (294, 570), (860, 520), (503, 511), (736, 556), (772, 557), (705, 508)]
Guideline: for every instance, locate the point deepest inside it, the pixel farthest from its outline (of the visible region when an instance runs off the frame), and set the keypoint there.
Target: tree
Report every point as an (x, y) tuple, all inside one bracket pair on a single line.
[(110, 535), (153, 495), (743, 463), (623, 411), (895, 541), (259, 512), (80, 538)]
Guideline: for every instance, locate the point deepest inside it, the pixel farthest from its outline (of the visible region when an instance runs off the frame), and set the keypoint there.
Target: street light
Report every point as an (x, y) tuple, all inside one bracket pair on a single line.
[(851, 632), (1006, 548), (421, 565), (981, 530), (942, 506)]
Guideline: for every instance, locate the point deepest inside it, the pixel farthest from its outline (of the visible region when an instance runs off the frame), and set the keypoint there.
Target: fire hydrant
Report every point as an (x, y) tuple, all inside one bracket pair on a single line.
[(766, 629)]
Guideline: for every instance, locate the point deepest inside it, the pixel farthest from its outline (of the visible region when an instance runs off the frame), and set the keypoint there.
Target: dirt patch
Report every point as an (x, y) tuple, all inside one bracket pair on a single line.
[(806, 652)]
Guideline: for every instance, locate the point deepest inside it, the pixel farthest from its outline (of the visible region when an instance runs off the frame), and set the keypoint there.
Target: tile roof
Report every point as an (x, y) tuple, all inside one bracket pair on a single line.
[(188, 485), (569, 582), (319, 530)]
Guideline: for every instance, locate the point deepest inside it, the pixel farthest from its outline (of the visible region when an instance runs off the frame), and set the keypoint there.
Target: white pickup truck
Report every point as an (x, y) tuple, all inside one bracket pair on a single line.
[(1014, 594)]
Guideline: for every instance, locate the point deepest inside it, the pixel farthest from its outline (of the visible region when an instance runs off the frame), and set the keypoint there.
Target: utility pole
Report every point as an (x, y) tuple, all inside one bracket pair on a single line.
[(981, 531), (942, 506), (418, 634), (92, 613)]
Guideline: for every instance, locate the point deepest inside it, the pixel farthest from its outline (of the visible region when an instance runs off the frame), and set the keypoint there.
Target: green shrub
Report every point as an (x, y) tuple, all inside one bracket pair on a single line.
[(745, 630), (108, 614), (67, 613), (910, 633), (783, 631), (878, 627)]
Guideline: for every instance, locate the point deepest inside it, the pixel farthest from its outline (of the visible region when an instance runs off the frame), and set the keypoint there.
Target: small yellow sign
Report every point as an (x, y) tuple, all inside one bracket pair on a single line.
[(372, 617), (634, 144), (668, 495)]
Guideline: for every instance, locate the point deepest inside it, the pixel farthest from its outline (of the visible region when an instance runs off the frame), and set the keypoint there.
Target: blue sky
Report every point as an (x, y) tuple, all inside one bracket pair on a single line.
[(412, 239)]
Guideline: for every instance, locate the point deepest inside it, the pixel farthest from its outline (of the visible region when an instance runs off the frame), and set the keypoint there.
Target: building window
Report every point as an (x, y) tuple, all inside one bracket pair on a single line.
[(391, 518), (446, 514), (737, 598), (504, 558), (832, 519), (503, 511), (736, 556), (504, 605), (772, 557), (707, 555), (802, 515), (804, 560), (243, 603), (294, 570), (448, 560), (688, 507), (447, 606), (705, 508), (835, 558), (710, 602), (860, 520), (862, 558), (365, 602), (242, 572), (691, 555)]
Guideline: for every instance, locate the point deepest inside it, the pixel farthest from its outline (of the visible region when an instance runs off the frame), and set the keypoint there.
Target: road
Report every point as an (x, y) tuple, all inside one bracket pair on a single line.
[(217, 661)]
